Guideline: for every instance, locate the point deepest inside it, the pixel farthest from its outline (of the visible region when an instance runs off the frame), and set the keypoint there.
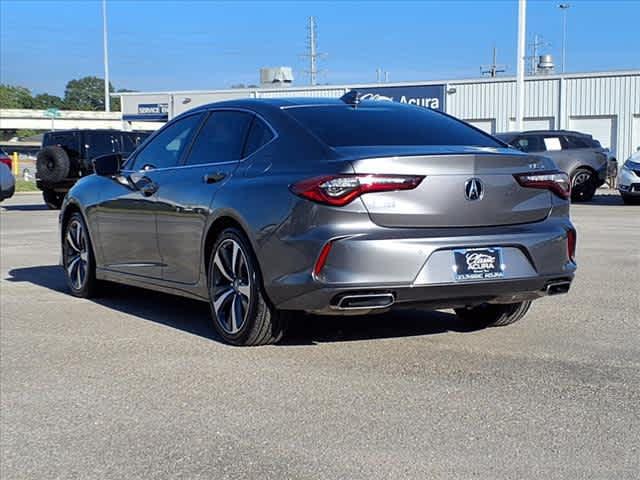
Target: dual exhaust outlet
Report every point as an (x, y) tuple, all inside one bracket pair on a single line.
[(371, 301)]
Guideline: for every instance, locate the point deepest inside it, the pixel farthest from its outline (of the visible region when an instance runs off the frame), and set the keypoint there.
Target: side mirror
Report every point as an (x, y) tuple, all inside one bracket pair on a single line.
[(107, 165)]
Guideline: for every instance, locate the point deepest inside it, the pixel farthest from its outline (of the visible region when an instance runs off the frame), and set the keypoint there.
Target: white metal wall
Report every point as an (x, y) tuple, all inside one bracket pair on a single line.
[(606, 105)]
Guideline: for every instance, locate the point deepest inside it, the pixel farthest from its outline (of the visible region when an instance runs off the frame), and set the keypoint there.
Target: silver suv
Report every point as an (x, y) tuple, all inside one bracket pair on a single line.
[(578, 154)]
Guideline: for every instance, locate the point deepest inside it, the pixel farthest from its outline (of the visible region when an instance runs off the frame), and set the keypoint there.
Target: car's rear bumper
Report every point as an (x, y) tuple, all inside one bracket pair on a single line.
[(415, 266)]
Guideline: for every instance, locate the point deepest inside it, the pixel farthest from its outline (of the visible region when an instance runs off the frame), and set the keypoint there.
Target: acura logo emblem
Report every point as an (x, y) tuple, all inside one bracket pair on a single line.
[(473, 189)]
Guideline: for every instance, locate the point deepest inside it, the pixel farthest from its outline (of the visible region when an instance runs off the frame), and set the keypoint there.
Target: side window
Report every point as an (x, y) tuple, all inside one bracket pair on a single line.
[(552, 144), (166, 148), (259, 135), (220, 139), (69, 141), (572, 143), (131, 141), (529, 143), (101, 144)]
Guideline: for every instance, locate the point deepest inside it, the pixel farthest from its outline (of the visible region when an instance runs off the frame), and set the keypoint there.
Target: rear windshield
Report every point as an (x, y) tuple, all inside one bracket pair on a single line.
[(343, 126)]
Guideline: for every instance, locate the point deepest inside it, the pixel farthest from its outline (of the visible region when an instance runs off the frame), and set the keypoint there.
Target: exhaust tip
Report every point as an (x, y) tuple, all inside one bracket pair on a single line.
[(365, 301), (557, 288)]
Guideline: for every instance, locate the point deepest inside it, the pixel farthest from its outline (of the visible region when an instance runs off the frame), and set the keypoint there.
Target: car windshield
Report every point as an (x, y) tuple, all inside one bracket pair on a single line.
[(343, 126)]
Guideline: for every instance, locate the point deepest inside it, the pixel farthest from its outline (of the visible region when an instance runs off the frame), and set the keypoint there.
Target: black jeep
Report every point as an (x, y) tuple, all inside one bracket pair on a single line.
[(67, 155)]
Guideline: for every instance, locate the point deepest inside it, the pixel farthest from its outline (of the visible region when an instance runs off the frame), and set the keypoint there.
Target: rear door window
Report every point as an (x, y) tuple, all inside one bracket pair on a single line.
[(373, 125), (220, 139)]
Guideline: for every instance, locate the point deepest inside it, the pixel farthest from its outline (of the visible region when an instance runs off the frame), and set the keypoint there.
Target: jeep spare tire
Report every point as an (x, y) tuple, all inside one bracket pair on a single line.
[(52, 164)]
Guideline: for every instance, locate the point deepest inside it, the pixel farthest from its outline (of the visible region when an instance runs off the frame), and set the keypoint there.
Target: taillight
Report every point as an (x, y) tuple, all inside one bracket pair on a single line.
[(571, 244), (557, 182), (339, 190), (6, 161)]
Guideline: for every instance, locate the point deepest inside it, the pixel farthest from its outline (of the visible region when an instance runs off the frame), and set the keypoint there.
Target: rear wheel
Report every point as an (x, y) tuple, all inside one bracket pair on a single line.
[(583, 185), (493, 315), (53, 199), (77, 256), (240, 311)]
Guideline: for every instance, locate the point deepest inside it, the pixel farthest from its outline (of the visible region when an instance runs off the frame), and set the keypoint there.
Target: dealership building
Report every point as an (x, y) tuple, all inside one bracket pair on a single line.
[(603, 104)]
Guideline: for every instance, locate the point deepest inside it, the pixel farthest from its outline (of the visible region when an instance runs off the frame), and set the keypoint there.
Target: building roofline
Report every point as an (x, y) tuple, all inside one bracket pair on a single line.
[(451, 82)]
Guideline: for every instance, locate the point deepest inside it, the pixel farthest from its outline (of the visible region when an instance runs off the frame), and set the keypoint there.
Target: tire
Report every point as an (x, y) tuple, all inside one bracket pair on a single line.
[(240, 311), (53, 199), (630, 199), (78, 259), (52, 164), (493, 315), (583, 185)]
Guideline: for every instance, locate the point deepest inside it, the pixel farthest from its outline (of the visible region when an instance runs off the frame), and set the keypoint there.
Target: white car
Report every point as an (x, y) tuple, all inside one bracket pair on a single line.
[(629, 180), (7, 182)]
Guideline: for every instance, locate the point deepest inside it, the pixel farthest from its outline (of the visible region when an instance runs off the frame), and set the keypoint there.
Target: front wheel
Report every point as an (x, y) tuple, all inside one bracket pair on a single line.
[(583, 185), (77, 257), (493, 315), (240, 311)]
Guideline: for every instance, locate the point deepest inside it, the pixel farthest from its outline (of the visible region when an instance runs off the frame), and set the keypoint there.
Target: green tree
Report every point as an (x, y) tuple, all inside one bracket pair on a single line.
[(85, 94), (15, 97), (44, 101)]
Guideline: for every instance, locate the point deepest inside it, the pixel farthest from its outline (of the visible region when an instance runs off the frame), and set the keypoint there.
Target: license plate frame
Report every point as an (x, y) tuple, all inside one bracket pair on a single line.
[(477, 264)]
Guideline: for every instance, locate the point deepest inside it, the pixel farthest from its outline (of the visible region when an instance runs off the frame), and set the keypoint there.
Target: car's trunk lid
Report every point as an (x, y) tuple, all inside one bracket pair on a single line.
[(454, 177)]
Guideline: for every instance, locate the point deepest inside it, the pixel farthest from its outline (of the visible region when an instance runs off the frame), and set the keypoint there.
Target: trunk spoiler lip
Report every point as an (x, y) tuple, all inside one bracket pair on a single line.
[(357, 152)]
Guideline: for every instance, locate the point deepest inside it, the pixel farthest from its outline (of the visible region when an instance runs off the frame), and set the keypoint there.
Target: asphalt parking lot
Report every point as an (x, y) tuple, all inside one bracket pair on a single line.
[(135, 385)]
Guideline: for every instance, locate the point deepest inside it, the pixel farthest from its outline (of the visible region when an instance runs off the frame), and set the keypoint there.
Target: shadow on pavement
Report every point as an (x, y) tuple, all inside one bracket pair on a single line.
[(24, 208), (193, 317), (612, 198)]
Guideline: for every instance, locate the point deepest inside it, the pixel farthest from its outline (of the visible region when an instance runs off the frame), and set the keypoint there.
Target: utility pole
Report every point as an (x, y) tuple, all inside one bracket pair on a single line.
[(522, 24), (107, 100), (565, 8), (494, 69), (313, 54)]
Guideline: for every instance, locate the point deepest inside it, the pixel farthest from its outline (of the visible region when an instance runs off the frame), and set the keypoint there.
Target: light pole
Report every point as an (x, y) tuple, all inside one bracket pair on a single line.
[(107, 102), (522, 26), (564, 7)]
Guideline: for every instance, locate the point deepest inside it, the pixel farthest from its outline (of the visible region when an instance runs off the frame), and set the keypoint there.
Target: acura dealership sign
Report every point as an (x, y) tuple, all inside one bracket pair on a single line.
[(428, 96)]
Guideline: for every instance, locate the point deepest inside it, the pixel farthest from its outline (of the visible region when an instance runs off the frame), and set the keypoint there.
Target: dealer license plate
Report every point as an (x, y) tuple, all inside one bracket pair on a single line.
[(478, 264)]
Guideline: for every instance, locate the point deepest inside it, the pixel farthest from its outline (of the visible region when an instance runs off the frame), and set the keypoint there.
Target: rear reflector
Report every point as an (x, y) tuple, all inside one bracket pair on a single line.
[(322, 258), (571, 244), (339, 190), (556, 182)]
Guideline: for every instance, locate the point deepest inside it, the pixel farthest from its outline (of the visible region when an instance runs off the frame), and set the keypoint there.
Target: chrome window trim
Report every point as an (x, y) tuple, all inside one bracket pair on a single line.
[(208, 112)]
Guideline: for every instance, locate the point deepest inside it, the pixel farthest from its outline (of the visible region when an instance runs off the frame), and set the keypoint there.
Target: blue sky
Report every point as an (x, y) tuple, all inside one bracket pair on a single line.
[(164, 45)]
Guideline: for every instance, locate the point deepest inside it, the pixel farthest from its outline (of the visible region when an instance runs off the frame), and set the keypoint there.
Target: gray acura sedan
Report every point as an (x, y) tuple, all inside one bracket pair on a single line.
[(264, 208)]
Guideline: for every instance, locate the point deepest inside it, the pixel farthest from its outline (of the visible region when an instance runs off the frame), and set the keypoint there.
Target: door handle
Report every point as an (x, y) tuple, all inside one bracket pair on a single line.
[(214, 177)]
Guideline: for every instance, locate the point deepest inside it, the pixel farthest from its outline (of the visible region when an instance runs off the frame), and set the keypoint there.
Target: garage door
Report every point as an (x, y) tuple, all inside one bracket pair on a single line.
[(534, 123), (604, 129), (485, 124)]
